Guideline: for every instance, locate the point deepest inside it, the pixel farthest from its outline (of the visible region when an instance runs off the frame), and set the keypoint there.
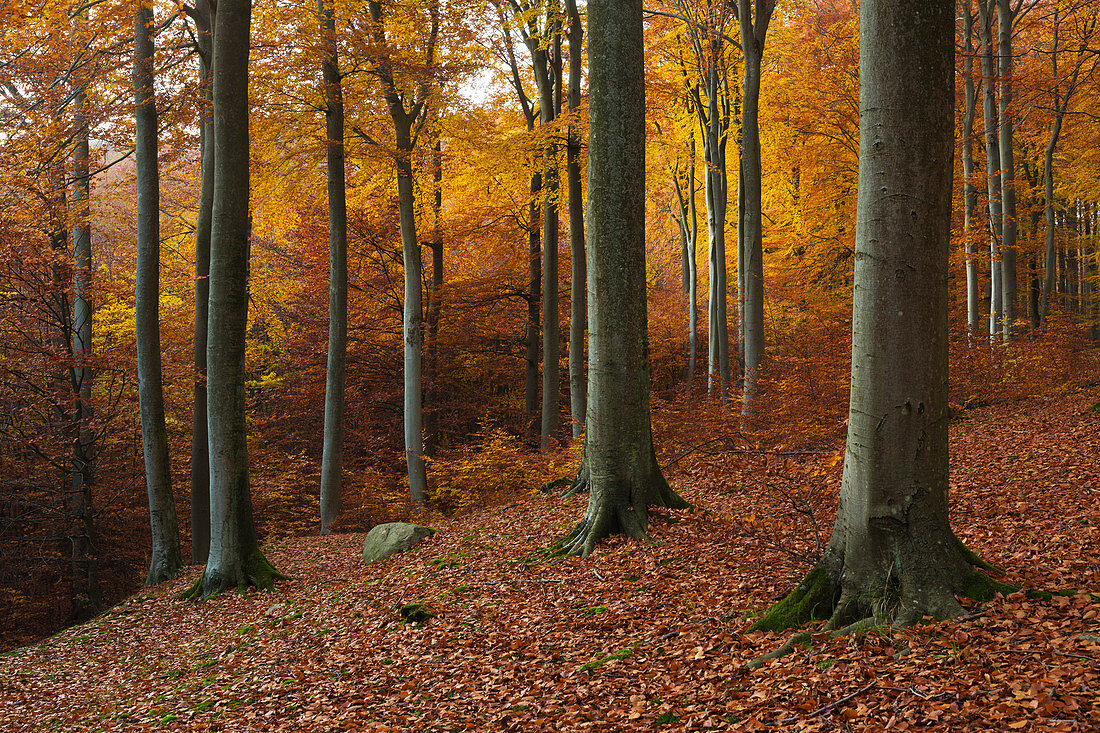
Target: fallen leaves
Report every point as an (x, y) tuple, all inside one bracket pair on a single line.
[(639, 636)]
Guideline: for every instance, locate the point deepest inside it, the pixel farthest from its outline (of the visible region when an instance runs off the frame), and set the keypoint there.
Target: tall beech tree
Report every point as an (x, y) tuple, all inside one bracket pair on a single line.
[(892, 553), (578, 311), (235, 558), (332, 457), (620, 465), (165, 561), (203, 16), (407, 123), (750, 262)]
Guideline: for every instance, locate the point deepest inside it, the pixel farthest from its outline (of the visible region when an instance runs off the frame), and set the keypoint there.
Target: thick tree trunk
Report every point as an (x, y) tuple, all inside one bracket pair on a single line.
[(200, 452), (992, 167), (165, 561), (1008, 170), (332, 455), (623, 476), (578, 301), (892, 554), (235, 559)]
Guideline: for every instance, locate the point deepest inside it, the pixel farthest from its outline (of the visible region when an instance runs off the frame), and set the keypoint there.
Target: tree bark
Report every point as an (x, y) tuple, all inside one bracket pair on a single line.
[(993, 166), (578, 310), (200, 452), (753, 33), (622, 472), (85, 595), (165, 561), (1008, 170), (970, 191), (235, 558), (332, 455), (892, 554)]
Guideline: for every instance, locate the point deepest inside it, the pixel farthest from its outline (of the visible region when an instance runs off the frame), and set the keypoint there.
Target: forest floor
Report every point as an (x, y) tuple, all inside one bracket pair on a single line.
[(636, 637)]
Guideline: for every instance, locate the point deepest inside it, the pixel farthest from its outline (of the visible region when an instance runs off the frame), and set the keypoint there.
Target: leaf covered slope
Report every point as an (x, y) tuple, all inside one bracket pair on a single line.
[(636, 637)]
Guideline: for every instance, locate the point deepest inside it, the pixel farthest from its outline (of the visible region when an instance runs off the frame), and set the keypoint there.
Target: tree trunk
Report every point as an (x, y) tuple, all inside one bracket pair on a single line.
[(970, 191), (753, 34), (534, 307), (235, 559), (1008, 170), (435, 296), (165, 561), (623, 476), (993, 166), (578, 311), (85, 595), (892, 554), (332, 455), (200, 453)]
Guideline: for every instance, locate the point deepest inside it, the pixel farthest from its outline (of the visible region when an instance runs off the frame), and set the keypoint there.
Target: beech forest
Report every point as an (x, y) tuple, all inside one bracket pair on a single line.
[(549, 365)]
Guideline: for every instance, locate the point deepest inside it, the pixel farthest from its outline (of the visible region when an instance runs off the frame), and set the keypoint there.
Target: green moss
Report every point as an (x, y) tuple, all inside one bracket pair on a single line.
[(982, 588), (812, 600), (971, 557)]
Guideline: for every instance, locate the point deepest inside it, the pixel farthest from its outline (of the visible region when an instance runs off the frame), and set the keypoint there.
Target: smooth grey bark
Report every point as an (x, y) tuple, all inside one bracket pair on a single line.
[(578, 301), (435, 293), (85, 595), (544, 44), (623, 476), (203, 15), (407, 125), (892, 554), (1005, 16), (332, 452), (689, 232), (165, 561), (235, 559), (970, 191), (993, 165), (534, 251), (708, 39), (1060, 106), (754, 30)]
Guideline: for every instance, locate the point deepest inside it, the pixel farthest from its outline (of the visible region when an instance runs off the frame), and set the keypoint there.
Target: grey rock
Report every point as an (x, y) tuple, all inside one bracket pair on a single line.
[(392, 538)]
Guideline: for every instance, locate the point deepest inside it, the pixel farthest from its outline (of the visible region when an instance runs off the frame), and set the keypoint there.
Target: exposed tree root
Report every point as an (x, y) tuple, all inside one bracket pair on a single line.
[(608, 514), (254, 572), (804, 639)]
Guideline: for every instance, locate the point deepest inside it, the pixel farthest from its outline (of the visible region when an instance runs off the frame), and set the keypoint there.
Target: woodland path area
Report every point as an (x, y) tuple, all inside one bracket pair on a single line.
[(646, 637)]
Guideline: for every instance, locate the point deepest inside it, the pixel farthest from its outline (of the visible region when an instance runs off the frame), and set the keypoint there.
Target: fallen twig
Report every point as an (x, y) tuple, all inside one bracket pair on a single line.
[(833, 704)]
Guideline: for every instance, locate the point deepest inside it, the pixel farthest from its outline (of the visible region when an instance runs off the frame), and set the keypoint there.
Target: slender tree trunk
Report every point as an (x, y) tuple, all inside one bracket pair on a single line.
[(235, 559), (85, 593), (1008, 170), (435, 295), (970, 191), (753, 34), (332, 455), (892, 554), (200, 453), (165, 561), (534, 306), (623, 476), (545, 78), (578, 311), (993, 166)]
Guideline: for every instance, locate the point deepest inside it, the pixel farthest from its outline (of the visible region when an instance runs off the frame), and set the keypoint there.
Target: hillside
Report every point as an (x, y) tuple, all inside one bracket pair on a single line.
[(636, 637)]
